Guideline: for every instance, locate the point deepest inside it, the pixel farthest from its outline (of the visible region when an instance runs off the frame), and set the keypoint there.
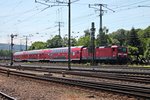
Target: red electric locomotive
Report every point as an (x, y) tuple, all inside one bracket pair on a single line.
[(106, 54), (111, 54)]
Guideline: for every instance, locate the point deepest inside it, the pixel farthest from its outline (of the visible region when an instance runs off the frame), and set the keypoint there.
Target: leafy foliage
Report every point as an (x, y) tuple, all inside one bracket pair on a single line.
[(147, 54), (5, 53), (37, 45), (119, 37), (133, 39), (84, 40), (73, 42), (102, 38), (132, 50), (55, 42)]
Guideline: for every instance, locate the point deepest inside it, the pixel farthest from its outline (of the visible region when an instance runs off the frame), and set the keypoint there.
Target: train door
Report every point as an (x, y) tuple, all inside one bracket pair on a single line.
[(114, 52), (83, 54)]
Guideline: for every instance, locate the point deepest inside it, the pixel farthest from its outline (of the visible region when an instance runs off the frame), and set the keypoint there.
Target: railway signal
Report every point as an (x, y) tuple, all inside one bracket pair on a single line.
[(12, 44), (92, 45)]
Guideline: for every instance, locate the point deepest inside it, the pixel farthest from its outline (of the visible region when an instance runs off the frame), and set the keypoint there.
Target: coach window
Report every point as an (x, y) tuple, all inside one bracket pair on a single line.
[(73, 53)]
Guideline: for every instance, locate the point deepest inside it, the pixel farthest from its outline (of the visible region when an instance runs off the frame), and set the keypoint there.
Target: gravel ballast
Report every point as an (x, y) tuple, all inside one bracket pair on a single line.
[(29, 89)]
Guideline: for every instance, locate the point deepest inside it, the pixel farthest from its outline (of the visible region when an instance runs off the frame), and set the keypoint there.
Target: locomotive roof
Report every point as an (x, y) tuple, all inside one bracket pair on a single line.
[(108, 46), (18, 53)]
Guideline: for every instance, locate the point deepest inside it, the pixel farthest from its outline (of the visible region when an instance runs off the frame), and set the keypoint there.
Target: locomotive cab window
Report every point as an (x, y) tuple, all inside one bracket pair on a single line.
[(124, 50)]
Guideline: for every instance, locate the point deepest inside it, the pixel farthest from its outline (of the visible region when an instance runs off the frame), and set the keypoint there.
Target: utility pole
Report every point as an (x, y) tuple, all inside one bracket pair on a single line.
[(59, 27), (26, 39), (26, 43), (62, 3), (59, 23), (101, 12), (69, 35), (20, 45), (12, 44)]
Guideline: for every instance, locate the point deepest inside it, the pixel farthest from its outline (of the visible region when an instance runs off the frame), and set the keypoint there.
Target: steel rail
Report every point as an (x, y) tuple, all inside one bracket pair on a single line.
[(75, 65), (77, 69), (7, 97), (123, 77), (125, 89), (118, 76), (140, 79), (90, 70)]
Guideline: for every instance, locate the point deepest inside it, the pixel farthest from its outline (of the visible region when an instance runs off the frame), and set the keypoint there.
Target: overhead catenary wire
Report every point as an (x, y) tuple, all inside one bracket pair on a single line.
[(131, 4), (77, 21)]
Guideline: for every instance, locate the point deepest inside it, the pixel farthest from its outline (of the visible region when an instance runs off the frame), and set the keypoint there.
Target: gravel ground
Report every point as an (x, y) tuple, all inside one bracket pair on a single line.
[(28, 89)]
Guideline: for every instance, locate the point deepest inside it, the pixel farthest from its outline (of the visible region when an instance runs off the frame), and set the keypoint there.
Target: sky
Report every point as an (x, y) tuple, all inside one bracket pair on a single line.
[(40, 22)]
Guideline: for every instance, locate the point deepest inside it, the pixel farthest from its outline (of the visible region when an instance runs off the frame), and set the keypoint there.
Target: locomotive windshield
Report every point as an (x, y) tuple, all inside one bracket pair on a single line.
[(122, 49)]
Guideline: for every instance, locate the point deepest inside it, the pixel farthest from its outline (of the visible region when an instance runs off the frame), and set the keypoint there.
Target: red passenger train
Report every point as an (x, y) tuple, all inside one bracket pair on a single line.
[(111, 54)]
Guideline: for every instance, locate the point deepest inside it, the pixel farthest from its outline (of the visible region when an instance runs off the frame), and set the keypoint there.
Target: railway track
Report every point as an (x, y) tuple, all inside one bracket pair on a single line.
[(94, 69), (140, 77), (122, 77), (138, 91), (114, 76), (4, 96), (126, 66)]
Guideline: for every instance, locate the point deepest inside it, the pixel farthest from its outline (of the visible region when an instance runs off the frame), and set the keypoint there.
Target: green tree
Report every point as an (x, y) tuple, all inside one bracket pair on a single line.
[(120, 37), (73, 42), (84, 40), (132, 50), (38, 45), (55, 42), (5, 53), (145, 37), (115, 42), (134, 39), (102, 37), (65, 41), (147, 54)]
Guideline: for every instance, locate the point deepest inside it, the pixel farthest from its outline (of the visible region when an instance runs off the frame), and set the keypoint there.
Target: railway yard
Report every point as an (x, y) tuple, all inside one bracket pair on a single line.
[(75, 50), (24, 81)]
